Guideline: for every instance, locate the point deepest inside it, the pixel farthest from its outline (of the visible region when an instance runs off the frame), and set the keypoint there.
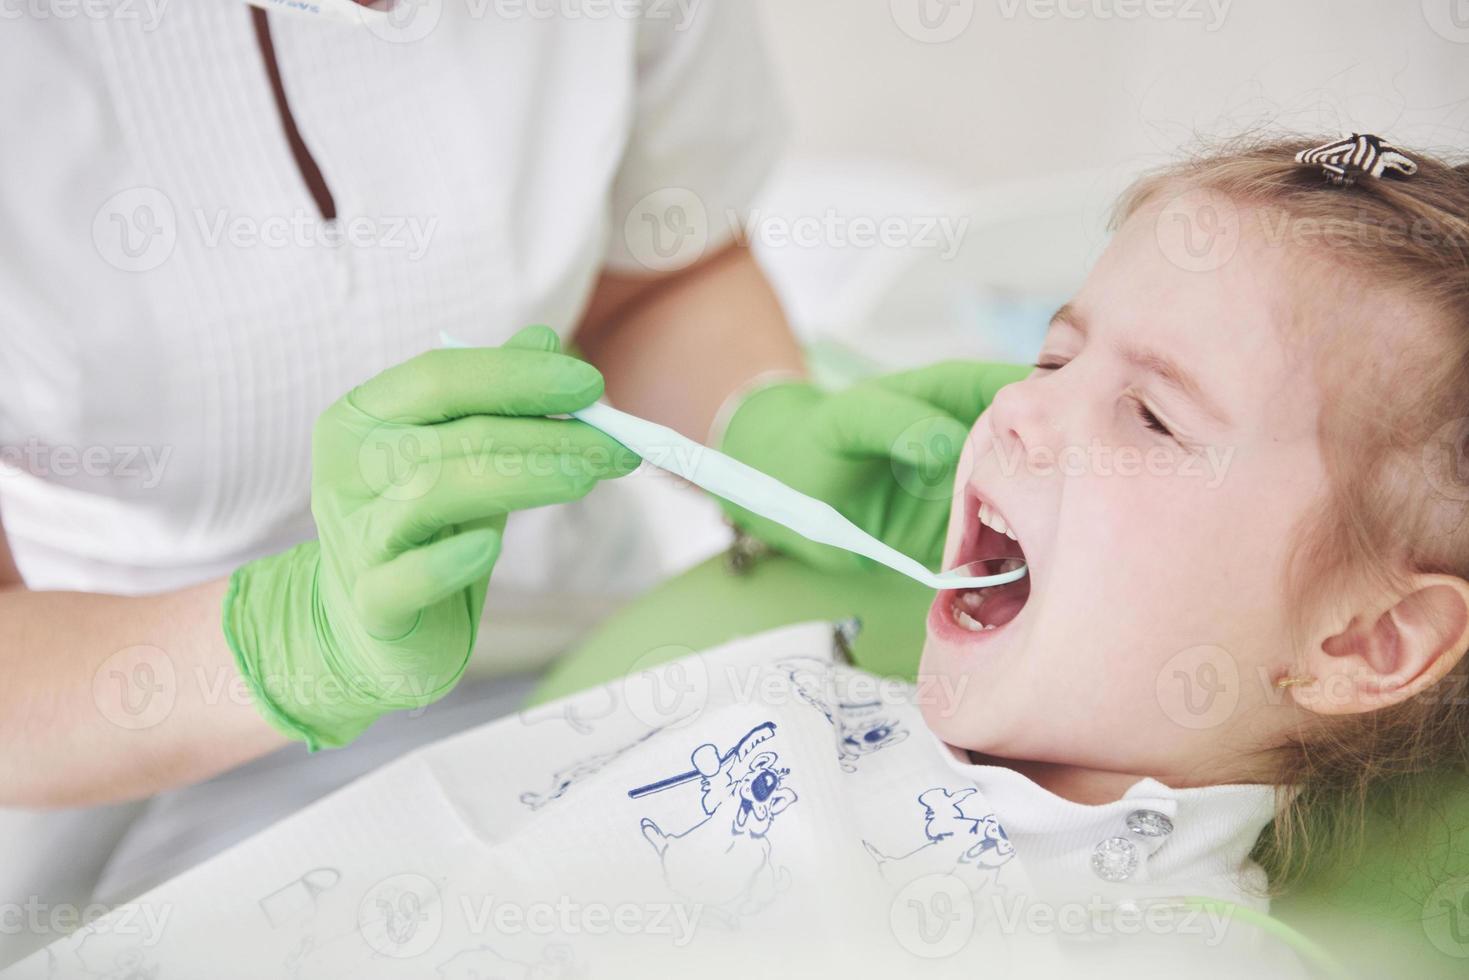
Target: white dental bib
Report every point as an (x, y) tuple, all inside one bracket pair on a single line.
[(762, 807)]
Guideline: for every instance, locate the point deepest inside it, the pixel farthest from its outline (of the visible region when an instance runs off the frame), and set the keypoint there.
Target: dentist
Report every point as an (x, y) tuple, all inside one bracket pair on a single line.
[(233, 232)]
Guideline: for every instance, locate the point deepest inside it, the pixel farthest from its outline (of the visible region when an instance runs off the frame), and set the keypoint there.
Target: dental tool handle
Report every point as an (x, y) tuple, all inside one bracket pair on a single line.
[(748, 488), (759, 493), (744, 486)]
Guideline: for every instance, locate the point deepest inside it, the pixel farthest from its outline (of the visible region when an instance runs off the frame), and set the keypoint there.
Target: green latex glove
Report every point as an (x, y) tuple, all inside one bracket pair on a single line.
[(883, 452), (413, 474)]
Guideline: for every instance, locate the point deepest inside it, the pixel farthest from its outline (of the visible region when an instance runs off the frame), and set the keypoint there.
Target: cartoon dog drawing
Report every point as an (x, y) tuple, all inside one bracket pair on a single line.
[(724, 860), (862, 727), (973, 848)]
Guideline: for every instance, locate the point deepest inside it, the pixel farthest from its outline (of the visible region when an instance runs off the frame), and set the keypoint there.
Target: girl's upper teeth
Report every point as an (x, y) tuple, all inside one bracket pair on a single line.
[(989, 518)]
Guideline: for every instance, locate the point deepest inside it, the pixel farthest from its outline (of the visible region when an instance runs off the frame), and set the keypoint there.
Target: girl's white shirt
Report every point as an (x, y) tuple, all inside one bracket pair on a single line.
[(176, 312), (760, 808)]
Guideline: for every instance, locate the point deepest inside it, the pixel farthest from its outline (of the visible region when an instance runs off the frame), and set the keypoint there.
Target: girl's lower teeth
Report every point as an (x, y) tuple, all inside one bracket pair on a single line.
[(969, 622)]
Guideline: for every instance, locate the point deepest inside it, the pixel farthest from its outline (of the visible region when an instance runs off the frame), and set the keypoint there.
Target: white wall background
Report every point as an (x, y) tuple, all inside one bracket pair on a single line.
[(1034, 86)]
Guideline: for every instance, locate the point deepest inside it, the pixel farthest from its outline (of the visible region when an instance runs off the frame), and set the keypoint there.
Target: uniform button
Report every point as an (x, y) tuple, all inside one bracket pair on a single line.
[(1149, 823), (1115, 859)]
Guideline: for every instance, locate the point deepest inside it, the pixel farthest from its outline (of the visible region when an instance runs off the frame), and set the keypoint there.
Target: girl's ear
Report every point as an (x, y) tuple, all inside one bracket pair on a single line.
[(1382, 658)]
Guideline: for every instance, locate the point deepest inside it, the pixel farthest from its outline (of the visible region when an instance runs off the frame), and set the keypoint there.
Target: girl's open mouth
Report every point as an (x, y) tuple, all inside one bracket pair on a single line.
[(987, 535)]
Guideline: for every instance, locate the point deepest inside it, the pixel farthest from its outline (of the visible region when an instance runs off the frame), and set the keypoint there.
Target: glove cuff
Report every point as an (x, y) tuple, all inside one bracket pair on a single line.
[(736, 399), (766, 408), (280, 591)]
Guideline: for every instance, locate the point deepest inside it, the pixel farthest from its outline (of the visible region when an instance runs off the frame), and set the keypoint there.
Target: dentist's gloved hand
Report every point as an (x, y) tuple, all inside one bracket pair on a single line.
[(882, 452), (413, 474)]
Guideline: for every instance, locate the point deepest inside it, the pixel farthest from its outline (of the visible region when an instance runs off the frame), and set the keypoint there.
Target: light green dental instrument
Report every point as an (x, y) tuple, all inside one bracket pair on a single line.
[(762, 494)]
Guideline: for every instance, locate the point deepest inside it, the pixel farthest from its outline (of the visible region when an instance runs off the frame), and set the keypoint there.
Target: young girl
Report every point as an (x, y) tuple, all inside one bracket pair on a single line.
[(1275, 595), (1246, 599)]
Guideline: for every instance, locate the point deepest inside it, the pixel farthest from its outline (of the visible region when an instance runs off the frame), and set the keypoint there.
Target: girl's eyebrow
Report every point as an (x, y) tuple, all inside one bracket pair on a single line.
[(1170, 372)]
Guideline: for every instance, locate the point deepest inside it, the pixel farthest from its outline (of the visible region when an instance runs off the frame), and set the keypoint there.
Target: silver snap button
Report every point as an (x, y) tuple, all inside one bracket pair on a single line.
[(1149, 823), (1115, 859)]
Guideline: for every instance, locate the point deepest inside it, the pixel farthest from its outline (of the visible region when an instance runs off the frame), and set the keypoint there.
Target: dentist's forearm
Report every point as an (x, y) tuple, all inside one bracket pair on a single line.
[(673, 349), (108, 698)]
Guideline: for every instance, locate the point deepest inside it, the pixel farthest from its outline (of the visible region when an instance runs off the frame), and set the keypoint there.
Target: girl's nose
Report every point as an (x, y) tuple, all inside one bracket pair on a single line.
[(1022, 419)]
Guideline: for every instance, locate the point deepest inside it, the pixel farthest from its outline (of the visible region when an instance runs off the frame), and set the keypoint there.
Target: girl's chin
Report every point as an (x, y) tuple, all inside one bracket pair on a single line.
[(940, 719), (951, 720), (957, 685)]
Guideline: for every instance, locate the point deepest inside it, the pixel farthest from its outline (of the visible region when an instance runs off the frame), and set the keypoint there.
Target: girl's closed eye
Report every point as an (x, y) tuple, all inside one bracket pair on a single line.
[(1145, 414), (1154, 423), (1150, 420)]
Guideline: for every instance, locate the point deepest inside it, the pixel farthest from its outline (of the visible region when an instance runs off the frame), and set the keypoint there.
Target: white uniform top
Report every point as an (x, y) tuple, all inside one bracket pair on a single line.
[(174, 313), (761, 809)]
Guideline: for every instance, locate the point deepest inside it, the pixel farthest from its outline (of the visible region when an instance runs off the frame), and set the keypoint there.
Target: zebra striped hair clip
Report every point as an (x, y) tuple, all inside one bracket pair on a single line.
[(1360, 154)]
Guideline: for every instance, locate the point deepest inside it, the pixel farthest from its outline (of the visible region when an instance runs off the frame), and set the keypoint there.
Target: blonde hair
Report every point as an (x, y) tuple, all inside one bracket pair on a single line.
[(1393, 507)]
